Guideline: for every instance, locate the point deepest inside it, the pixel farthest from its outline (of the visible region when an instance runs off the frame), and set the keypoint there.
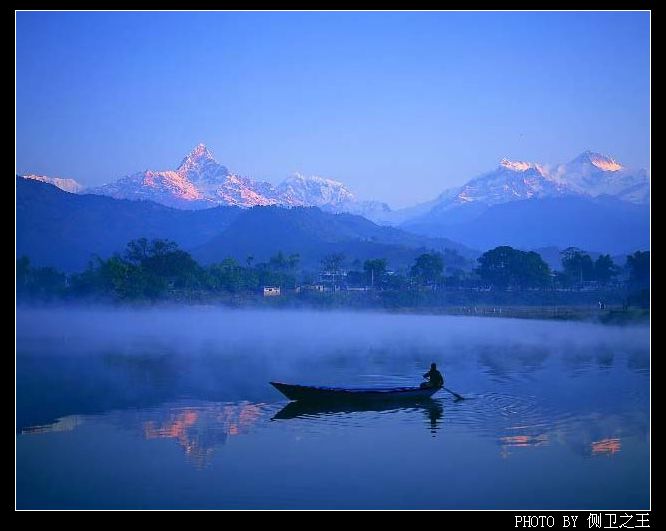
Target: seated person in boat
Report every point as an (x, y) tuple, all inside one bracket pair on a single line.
[(435, 378)]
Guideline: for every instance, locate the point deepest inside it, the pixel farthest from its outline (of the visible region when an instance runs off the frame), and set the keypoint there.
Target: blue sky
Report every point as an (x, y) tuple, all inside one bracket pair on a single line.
[(399, 106)]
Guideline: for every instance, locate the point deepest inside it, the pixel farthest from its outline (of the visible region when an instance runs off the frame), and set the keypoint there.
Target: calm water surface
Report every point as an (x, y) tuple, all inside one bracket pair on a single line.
[(172, 409)]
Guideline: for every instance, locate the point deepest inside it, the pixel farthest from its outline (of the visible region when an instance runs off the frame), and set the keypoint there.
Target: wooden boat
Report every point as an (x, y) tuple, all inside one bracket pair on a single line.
[(313, 393)]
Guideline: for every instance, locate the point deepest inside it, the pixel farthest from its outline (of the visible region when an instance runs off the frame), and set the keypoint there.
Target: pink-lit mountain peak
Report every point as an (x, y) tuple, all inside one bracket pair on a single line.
[(199, 157), (600, 161), (516, 165), (522, 166)]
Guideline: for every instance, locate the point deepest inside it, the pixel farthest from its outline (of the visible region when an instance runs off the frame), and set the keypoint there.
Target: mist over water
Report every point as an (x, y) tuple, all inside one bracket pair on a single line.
[(186, 390)]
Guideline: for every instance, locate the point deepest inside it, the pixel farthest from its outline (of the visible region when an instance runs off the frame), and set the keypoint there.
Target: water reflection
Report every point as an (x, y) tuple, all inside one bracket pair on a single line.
[(606, 446), (174, 409), (432, 409), (523, 440), (200, 430), (62, 424)]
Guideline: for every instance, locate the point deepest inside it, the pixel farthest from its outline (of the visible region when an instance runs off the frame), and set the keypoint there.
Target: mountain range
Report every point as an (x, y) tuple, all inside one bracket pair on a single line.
[(201, 182), (589, 175), (593, 201)]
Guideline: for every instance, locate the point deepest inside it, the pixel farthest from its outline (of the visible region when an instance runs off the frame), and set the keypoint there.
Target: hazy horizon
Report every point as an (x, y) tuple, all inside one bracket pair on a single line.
[(397, 106)]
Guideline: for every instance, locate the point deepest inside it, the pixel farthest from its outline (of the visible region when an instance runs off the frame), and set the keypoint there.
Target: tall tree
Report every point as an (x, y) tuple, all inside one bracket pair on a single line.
[(428, 268), (495, 266), (604, 269), (638, 265), (375, 270), (578, 266), (533, 271)]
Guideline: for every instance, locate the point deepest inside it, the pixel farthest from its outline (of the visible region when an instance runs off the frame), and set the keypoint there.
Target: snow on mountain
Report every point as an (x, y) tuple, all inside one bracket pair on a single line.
[(240, 191), (200, 166), (329, 195), (168, 188), (201, 182), (588, 175), (313, 191), (68, 185), (174, 188), (198, 182), (594, 174), (510, 181)]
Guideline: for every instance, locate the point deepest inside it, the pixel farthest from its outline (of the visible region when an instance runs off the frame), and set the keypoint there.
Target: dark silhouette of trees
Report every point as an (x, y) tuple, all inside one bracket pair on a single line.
[(147, 269), (605, 269), (578, 266), (638, 265), (505, 267), (428, 268), (228, 275), (42, 283), (159, 269), (375, 271)]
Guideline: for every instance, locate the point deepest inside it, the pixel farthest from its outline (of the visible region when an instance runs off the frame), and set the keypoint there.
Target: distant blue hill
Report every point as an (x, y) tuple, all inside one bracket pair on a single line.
[(63, 230), (262, 231), (603, 224)]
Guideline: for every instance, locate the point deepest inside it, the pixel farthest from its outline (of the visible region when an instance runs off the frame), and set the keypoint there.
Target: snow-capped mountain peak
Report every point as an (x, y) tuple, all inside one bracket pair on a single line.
[(602, 162), (200, 164), (590, 174), (298, 189), (200, 182), (594, 174), (522, 166), (510, 181), (199, 155), (516, 165)]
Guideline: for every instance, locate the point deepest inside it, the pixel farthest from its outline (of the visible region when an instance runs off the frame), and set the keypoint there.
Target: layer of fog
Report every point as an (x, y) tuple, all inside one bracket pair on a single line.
[(89, 360), (305, 333)]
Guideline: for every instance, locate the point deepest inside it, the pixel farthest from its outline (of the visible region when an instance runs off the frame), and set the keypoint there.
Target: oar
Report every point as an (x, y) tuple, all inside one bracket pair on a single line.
[(458, 397)]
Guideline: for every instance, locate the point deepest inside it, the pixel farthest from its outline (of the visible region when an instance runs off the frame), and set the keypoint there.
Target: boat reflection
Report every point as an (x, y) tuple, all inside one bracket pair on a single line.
[(432, 409)]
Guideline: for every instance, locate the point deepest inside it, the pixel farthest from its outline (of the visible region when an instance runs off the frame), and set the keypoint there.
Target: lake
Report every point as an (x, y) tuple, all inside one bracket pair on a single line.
[(171, 408)]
